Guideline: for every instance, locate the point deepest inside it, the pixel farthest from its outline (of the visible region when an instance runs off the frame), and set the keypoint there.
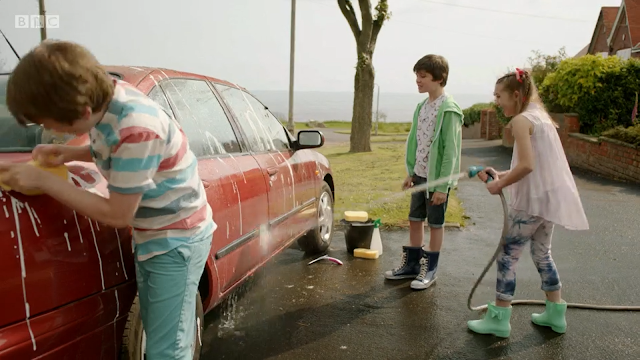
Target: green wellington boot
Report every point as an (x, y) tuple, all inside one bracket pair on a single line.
[(495, 321), (553, 316)]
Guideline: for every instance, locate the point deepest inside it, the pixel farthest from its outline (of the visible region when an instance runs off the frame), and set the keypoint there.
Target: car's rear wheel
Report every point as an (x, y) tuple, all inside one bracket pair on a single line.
[(319, 239), (134, 342)]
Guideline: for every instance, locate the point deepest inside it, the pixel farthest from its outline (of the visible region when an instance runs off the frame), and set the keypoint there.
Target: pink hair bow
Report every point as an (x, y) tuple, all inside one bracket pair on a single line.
[(519, 73)]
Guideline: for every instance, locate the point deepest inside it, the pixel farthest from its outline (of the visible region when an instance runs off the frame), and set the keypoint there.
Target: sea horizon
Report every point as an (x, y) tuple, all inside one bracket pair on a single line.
[(338, 106)]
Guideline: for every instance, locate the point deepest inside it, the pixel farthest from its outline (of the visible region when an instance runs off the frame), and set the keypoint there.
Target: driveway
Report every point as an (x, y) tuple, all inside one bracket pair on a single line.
[(326, 311)]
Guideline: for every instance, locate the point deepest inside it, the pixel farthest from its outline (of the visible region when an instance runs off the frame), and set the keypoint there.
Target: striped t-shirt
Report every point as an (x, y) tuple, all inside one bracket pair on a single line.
[(138, 148)]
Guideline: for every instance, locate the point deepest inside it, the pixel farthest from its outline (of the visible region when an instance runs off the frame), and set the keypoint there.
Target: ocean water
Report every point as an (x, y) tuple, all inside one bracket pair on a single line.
[(324, 106)]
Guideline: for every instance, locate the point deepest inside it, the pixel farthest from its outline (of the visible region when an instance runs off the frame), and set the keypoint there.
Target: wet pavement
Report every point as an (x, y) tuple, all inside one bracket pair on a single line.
[(326, 311)]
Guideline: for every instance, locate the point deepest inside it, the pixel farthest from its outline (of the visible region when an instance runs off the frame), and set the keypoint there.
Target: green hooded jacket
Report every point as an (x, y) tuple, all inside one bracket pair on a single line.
[(445, 153)]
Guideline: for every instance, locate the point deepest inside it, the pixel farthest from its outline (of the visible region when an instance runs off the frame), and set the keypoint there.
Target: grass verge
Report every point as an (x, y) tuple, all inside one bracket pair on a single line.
[(388, 128), (372, 181)]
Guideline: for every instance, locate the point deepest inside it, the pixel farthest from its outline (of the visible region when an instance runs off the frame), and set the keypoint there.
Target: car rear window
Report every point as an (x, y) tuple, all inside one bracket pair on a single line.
[(16, 138)]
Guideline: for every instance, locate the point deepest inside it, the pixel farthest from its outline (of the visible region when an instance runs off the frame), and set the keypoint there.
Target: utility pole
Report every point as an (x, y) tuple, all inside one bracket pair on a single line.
[(43, 24), (377, 109), (292, 55)]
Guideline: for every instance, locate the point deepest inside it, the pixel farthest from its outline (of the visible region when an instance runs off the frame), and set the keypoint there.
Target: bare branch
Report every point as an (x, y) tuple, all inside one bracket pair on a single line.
[(382, 14), (367, 22), (350, 14)]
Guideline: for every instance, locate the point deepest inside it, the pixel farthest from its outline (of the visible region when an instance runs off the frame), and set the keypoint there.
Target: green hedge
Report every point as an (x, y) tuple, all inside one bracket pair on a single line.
[(499, 114), (601, 90), (472, 113), (630, 135)]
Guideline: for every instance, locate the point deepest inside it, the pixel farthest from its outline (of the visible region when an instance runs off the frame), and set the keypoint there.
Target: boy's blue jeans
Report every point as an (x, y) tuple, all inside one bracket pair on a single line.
[(167, 287)]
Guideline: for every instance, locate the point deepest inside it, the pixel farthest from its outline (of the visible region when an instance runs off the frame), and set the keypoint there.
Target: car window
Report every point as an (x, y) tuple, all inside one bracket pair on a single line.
[(272, 128), (202, 117), (252, 117), (157, 95)]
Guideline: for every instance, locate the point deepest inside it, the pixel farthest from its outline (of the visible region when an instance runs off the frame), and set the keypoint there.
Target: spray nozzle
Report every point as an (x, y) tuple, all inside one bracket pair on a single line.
[(474, 170)]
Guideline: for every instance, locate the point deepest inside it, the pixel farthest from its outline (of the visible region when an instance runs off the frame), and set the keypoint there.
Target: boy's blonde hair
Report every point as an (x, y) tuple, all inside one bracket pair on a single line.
[(57, 80)]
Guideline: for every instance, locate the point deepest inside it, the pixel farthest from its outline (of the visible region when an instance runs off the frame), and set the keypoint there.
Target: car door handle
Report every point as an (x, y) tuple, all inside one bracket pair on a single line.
[(272, 171), (206, 184)]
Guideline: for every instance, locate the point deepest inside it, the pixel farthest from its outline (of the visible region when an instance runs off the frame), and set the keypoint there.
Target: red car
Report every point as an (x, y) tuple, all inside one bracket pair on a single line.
[(68, 283)]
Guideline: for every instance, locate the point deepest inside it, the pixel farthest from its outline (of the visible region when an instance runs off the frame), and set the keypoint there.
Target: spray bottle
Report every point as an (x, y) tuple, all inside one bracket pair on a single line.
[(376, 240)]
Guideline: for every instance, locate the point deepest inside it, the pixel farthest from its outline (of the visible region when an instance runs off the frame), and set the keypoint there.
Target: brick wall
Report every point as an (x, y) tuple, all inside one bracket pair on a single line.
[(471, 132), (491, 128), (608, 157)]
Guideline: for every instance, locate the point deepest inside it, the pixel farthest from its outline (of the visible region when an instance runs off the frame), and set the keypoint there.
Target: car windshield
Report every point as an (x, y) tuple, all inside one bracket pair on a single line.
[(16, 138)]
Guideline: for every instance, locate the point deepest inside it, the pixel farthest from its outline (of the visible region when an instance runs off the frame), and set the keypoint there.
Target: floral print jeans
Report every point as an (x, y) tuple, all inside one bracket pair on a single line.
[(537, 231)]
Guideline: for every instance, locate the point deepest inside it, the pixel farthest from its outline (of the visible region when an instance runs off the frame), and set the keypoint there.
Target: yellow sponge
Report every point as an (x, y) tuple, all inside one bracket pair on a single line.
[(360, 216), (365, 253), (60, 171)]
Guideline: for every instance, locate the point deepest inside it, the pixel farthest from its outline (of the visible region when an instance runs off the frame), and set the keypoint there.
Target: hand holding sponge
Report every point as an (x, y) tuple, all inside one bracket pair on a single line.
[(59, 171)]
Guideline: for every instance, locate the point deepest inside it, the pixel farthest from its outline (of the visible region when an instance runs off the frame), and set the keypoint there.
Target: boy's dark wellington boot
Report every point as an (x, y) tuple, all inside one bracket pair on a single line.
[(409, 266), (428, 268)]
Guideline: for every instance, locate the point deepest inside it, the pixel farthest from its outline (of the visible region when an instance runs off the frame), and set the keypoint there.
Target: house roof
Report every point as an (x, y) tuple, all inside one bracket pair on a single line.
[(608, 15), (632, 13), (583, 52)]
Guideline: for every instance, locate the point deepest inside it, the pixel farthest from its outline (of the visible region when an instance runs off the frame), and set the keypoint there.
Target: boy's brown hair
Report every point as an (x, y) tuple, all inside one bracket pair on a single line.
[(57, 80), (435, 65)]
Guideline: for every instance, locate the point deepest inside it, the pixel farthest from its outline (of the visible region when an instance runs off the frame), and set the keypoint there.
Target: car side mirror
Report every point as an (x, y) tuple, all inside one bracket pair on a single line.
[(309, 139)]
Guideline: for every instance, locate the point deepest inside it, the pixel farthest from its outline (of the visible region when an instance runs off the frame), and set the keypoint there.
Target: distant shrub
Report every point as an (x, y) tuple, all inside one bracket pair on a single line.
[(472, 113), (630, 135), (601, 90)]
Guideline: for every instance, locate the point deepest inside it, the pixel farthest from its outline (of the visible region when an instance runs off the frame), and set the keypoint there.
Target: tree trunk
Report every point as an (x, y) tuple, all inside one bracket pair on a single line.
[(362, 105)]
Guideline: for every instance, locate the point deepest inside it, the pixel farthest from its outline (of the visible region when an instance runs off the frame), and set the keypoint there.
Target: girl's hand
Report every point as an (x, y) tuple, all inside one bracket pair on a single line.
[(495, 187), (483, 175)]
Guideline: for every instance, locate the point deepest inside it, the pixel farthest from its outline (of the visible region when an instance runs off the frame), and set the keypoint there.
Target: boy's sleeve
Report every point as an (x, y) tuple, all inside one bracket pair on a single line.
[(452, 132), (135, 160)]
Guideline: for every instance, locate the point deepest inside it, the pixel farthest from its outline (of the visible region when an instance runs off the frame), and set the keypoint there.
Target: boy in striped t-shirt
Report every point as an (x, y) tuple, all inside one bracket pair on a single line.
[(154, 185)]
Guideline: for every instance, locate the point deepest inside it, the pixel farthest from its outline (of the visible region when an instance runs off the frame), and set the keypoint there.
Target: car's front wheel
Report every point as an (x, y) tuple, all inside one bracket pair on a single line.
[(134, 342), (318, 239)]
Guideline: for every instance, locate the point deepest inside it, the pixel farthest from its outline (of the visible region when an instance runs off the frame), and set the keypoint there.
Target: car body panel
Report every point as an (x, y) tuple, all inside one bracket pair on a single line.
[(79, 277)]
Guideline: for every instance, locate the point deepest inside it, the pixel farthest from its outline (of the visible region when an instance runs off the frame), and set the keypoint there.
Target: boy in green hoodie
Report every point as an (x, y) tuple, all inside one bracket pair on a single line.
[(433, 152)]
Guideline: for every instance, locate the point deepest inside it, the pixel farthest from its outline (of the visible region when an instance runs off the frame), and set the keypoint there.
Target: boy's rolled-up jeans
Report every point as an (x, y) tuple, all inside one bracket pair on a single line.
[(167, 288), (526, 228)]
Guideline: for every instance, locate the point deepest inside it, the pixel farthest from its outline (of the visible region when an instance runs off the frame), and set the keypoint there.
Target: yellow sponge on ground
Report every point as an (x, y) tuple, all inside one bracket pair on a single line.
[(365, 253), (361, 216)]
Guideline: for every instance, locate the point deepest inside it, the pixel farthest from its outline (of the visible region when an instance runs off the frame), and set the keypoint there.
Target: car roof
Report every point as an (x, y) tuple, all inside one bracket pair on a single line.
[(135, 74)]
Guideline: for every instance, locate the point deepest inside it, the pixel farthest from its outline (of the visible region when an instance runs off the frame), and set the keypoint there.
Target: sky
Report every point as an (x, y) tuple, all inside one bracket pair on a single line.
[(247, 41)]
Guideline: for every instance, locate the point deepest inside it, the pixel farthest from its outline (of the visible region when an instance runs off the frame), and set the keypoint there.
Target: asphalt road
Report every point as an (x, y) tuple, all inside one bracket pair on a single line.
[(326, 311), (331, 137)]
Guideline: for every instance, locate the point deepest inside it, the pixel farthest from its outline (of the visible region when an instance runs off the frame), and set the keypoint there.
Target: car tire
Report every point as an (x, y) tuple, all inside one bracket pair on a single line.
[(318, 240), (133, 346)]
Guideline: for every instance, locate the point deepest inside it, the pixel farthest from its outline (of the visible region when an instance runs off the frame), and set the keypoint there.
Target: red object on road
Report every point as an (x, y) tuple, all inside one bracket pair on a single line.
[(68, 282)]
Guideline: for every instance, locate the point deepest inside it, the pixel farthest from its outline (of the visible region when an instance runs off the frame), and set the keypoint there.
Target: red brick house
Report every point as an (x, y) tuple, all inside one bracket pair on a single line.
[(600, 38), (624, 39)]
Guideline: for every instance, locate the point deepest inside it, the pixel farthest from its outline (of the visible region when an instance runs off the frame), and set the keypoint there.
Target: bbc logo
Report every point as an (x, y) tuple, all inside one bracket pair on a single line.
[(37, 21)]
